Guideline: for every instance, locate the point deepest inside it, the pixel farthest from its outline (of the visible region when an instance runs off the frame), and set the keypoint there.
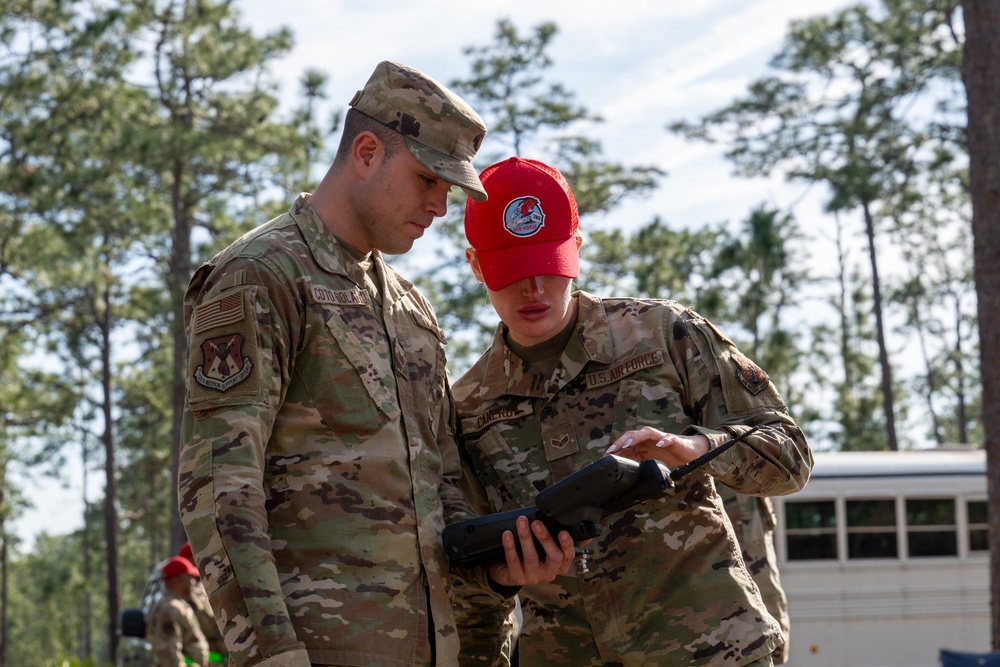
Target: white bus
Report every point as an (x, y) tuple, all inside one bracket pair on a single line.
[(883, 557)]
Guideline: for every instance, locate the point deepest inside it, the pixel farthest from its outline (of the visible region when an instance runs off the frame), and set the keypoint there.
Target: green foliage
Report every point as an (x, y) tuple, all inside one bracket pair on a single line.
[(938, 299), (655, 261), (122, 129), (540, 119), (508, 90), (43, 587), (862, 102), (757, 276)]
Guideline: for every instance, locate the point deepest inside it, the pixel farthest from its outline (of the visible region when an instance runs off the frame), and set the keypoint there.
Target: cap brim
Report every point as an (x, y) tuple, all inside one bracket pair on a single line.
[(506, 266), (454, 170)]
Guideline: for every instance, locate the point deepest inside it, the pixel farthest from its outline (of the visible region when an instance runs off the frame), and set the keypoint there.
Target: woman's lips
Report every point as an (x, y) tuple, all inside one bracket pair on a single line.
[(534, 311)]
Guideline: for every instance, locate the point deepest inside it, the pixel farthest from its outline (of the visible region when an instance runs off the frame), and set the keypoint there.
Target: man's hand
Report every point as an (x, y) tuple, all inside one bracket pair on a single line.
[(528, 568), (650, 443)]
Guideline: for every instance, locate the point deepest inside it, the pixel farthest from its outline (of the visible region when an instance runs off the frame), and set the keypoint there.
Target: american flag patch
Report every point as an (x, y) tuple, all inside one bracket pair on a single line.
[(220, 312)]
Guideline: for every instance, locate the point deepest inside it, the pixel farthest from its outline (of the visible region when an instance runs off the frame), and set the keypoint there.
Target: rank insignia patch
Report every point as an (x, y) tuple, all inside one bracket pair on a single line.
[(559, 441), (750, 374), (223, 364)]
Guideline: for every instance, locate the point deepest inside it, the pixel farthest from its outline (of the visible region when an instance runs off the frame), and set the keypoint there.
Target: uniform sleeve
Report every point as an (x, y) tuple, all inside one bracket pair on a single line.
[(240, 331), (458, 505), (728, 394), (485, 624), (481, 614), (206, 618)]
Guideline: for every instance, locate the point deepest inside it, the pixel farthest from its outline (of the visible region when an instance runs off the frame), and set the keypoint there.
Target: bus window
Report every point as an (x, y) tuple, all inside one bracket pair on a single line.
[(884, 558), (977, 525), (811, 530), (930, 527), (871, 529)]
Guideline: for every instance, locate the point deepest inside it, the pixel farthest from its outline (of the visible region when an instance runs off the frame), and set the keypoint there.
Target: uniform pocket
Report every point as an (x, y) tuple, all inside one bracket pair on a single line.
[(353, 388), (746, 388)]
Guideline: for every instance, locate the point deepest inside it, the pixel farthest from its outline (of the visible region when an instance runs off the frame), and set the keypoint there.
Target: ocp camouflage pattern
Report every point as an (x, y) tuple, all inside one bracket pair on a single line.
[(753, 521), (313, 486), (439, 127), (206, 618), (173, 633), (666, 583)]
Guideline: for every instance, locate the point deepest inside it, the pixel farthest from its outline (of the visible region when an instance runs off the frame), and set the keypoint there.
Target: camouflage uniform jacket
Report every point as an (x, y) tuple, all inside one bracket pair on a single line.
[(666, 584), (318, 454), (173, 632)]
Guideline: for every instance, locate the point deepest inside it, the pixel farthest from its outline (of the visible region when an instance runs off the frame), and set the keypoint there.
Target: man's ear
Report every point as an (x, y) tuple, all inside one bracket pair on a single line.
[(365, 149), (473, 259)]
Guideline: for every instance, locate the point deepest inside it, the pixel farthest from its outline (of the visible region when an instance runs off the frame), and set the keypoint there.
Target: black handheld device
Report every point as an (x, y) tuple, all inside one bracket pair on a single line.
[(575, 504)]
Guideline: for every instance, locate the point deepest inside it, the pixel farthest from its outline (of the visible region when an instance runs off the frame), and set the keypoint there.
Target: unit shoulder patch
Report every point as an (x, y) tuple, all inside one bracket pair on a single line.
[(750, 374), (223, 365)]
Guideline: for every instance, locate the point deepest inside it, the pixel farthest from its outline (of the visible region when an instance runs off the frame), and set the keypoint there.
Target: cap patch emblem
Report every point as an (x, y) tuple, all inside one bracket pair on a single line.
[(224, 365), (523, 216)]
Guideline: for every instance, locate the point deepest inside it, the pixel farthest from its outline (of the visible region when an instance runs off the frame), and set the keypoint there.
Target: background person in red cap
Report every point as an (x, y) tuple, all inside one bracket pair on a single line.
[(172, 628), (571, 377), (318, 462)]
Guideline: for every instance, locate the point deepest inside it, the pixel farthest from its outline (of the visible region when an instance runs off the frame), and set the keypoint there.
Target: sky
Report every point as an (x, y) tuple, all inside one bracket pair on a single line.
[(654, 62), (639, 68)]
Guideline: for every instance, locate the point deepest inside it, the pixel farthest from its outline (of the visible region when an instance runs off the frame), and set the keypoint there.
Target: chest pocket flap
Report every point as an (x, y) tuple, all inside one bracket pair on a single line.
[(370, 359)]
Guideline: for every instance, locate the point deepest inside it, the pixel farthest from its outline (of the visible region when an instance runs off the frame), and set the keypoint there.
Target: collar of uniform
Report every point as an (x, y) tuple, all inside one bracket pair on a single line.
[(592, 322), (330, 255), (506, 373), (322, 243)]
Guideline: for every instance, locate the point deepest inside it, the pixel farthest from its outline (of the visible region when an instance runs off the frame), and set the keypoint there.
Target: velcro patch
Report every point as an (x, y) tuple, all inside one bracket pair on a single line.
[(494, 415), (219, 312), (750, 374), (559, 441), (627, 367), (339, 297), (223, 364)]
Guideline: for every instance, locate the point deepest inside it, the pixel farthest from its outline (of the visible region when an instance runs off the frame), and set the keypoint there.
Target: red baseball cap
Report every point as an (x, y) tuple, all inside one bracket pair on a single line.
[(528, 225), (176, 566)]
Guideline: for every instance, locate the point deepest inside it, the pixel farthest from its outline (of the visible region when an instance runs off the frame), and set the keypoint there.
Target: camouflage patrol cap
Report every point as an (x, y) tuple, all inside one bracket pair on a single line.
[(440, 129)]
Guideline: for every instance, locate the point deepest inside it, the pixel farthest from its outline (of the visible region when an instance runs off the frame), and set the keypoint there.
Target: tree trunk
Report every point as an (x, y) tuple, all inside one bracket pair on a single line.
[(883, 353), (931, 377), (3, 593), (963, 417), (981, 73), (87, 643), (180, 274), (111, 483), (3, 562)]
